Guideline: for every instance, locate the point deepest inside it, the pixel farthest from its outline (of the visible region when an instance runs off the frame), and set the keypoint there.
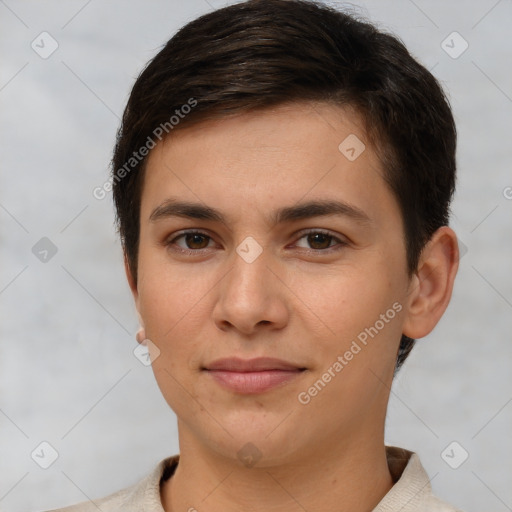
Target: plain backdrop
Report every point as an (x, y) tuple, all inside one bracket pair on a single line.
[(68, 375)]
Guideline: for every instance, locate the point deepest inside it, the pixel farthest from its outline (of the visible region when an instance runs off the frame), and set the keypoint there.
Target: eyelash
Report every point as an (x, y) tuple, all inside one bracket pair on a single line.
[(340, 245)]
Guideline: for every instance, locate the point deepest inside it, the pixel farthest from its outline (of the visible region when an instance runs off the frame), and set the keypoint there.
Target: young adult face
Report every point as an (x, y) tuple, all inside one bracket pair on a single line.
[(300, 289)]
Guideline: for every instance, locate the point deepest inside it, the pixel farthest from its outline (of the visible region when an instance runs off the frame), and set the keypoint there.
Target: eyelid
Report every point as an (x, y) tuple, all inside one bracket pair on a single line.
[(170, 240)]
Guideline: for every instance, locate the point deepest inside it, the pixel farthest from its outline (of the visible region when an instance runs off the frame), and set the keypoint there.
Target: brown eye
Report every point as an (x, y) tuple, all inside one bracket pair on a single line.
[(196, 241), (319, 240), (190, 241)]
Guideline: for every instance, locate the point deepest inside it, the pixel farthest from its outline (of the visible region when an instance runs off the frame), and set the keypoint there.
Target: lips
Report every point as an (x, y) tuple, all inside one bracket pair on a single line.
[(253, 375), (234, 364)]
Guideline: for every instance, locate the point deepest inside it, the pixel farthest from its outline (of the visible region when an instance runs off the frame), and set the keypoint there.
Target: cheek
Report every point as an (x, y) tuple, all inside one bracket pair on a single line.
[(173, 315), (347, 300), (362, 313), (172, 308), (176, 302), (168, 293)]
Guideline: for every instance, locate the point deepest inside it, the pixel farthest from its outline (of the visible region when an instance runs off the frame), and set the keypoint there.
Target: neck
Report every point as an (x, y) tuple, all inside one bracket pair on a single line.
[(354, 477)]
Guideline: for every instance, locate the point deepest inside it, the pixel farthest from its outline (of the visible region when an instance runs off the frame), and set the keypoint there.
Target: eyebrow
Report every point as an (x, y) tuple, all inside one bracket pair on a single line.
[(318, 208)]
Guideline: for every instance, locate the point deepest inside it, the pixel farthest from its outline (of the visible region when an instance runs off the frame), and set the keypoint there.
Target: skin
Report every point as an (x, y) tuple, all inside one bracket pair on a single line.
[(304, 300)]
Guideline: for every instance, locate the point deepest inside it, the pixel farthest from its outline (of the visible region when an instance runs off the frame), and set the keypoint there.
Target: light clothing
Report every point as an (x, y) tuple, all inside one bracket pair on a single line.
[(410, 493)]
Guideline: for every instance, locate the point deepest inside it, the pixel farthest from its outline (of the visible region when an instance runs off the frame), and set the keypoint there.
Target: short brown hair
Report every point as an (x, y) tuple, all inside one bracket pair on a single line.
[(263, 53)]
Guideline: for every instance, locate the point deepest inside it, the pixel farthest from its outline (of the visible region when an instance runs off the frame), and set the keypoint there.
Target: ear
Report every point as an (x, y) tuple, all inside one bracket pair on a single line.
[(141, 334), (431, 287)]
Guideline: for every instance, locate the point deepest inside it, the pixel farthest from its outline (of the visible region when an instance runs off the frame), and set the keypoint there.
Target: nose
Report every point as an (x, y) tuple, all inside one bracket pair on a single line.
[(251, 297)]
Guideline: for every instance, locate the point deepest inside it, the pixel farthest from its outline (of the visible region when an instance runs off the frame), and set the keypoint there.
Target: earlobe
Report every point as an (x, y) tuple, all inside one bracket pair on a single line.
[(141, 335), (432, 285)]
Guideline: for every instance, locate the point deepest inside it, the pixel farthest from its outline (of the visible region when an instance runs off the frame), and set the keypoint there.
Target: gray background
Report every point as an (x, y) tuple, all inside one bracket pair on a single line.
[(68, 375)]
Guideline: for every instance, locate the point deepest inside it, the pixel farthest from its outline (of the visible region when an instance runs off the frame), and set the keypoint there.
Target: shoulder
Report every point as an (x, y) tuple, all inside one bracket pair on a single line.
[(412, 491), (116, 501), (144, 495), (436, 505)]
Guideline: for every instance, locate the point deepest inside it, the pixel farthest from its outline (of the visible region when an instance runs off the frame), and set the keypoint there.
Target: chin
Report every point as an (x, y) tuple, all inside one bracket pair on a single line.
[(267, 442)]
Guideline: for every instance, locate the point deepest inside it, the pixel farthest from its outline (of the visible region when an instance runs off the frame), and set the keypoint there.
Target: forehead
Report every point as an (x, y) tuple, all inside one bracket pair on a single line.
[(268, 157)]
